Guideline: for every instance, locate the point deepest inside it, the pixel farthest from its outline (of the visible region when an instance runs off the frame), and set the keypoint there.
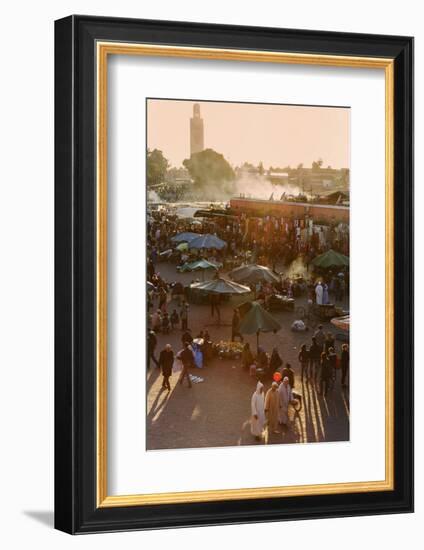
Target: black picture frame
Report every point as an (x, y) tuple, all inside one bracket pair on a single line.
[(75, 275)]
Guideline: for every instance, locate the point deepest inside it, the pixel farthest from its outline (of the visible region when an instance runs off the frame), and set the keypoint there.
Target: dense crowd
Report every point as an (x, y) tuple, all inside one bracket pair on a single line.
[(267, 242), (261, 240)]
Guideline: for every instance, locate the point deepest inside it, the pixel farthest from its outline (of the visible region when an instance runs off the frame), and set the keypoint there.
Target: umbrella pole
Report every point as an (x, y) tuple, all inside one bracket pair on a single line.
[(257, 342)]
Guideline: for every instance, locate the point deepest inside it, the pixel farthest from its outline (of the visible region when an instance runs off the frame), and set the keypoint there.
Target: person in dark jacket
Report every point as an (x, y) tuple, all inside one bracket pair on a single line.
[(235, 326), (175, 319), (304, 360), (151, 346), (344, 363), (184, 316), (186, 337), (329, 342), (314, 358), (214, 303), (326, 374), (187, 359), (275, 361), (166, 360), (320, 337), (332, 357)]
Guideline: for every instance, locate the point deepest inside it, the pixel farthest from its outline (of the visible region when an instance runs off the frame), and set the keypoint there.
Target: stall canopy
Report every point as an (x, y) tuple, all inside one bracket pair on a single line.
[(257, 320), (185, 237), (199, 264), (207, 241), (252, 274), (331, 258), (220, 286)]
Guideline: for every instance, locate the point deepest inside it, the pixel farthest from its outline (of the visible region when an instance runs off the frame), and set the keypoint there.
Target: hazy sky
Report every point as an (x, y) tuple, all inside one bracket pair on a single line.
[(277, 135)]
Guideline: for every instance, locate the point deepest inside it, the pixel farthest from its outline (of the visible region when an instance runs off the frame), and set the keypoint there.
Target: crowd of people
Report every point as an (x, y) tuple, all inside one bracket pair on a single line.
[(271, 410), (319, 365), (262, 241)]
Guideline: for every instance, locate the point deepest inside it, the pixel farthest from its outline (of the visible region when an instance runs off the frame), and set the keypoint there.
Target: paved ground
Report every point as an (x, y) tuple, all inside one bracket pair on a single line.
[(215, 412)]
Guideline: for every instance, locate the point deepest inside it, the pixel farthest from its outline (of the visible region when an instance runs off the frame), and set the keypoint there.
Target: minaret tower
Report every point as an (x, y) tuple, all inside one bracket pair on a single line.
[(196, 131)]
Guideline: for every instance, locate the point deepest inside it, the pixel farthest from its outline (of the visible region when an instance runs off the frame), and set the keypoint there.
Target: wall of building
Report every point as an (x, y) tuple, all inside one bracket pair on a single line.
[(324, 213)]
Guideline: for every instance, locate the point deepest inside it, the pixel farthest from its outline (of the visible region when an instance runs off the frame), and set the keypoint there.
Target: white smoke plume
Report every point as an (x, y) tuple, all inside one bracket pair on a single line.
[(259, 187), (152, 196)]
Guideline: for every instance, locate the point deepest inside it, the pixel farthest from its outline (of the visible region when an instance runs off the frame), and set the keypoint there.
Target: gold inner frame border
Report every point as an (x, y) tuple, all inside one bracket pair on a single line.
[(103, 50)]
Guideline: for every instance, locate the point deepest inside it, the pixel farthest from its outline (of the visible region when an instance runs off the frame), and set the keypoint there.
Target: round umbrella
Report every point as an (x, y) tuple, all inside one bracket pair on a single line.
[(257, 320), (252, 274), (331, 258), (199, 264), (207, 241), (186, 237), (221, 286)]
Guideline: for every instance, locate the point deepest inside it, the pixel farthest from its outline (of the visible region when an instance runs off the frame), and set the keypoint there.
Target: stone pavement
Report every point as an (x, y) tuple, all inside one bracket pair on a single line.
[(216, 412)]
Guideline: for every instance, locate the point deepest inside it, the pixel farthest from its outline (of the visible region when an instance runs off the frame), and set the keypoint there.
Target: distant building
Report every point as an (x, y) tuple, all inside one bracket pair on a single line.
[(278, 177), (318, 179), (196, 131), (320, 213)]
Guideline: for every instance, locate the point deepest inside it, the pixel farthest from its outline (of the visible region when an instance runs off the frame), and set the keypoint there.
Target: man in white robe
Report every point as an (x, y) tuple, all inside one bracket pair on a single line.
[(257, 421), (286, 397), (319, 291)]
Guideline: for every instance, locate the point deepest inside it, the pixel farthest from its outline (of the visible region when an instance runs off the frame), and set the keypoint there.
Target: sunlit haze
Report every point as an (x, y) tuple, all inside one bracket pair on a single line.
[(277, 135)]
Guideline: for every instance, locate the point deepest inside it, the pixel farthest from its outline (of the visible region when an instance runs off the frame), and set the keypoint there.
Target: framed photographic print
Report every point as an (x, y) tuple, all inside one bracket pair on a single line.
[(233, 267)]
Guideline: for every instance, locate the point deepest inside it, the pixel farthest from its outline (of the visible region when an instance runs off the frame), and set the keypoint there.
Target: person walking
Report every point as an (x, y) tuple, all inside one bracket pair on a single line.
[(332, 357), (184, 316), (235, 326), (187, 359), (257, 403), (314, 358), (286, 398), (328, 342), (151, 346), (175, 319), (326, 374), (344, 363), (166, 360), (162, 299), (320, 337), (272, 408), (304, 361), (214, 302)]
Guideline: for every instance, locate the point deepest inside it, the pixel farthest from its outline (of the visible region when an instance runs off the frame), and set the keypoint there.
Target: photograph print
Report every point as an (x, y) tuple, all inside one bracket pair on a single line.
[(247, 254)]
